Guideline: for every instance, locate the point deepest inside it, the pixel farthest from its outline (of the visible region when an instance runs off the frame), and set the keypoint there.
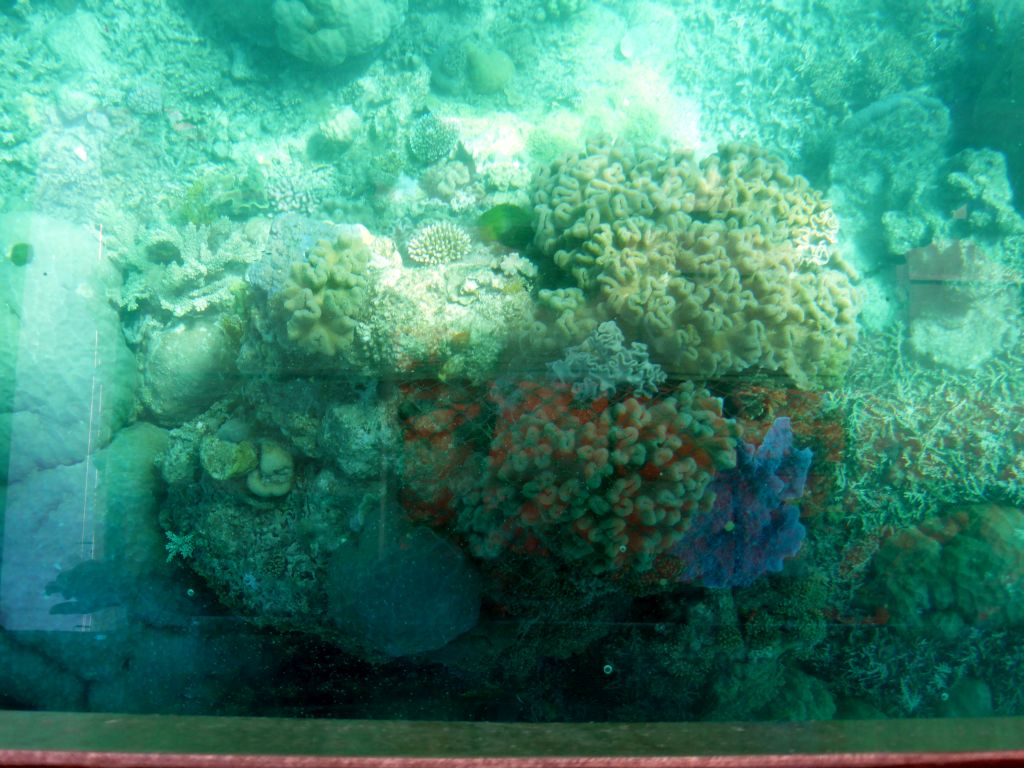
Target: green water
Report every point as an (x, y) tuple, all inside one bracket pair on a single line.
[(480, 360)]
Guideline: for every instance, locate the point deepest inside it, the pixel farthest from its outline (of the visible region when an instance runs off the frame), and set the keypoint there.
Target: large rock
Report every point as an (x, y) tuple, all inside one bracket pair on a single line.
[(65, 525), (401, 589), (186, 368), (324, 32)]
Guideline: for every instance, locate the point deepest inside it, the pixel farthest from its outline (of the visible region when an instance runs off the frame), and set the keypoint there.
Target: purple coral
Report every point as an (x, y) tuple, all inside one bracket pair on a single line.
[(751, 527)]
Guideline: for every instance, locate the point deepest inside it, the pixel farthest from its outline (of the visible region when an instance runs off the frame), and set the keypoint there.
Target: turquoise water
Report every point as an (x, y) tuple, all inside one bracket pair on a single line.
[(557, 360)]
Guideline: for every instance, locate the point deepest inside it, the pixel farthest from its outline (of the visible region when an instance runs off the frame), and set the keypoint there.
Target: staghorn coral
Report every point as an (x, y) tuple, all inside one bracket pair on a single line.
[(324, 294), (606, 486), (718, 267)]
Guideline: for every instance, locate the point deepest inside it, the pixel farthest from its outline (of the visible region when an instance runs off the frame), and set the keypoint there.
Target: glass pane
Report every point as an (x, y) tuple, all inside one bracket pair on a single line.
[(534, 361)]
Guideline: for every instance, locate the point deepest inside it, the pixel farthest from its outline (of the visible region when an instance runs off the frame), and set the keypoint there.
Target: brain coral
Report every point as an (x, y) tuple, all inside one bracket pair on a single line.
[(330, 31), (718, 267), (324, 294), (607, 486)]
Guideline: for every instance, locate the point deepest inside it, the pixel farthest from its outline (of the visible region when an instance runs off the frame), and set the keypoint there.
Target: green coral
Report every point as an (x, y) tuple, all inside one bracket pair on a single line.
[(330, 31), (324, 296), (489, 69), (179, 545)]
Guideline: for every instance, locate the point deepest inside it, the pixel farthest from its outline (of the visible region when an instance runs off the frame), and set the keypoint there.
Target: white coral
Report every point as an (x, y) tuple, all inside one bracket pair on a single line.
[(439, 243)]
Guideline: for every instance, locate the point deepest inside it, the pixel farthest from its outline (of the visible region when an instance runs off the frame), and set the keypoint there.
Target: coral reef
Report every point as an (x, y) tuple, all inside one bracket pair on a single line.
[(884, 154), (928, 437), (184, 272), (352, 305), (717, 267), (351, 485)]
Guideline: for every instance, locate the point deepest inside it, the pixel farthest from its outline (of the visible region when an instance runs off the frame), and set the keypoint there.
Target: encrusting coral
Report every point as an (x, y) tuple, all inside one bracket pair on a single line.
[(718, 267)]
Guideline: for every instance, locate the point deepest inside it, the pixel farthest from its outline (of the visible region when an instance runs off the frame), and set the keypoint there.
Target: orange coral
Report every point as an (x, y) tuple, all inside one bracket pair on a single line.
[(609, 486)]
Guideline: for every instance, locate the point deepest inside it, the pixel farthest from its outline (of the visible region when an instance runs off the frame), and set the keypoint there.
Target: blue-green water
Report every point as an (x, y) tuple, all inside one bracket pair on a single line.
[(556, 360)]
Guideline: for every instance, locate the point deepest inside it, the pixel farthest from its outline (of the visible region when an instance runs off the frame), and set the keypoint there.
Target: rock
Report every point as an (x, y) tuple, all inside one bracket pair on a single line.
[(186, 368)]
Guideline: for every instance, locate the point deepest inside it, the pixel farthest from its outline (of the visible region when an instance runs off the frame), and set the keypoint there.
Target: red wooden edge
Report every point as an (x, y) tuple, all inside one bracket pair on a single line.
[(61, 759)]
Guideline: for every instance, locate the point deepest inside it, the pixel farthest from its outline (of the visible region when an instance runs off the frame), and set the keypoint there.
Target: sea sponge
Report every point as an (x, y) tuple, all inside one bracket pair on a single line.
[(603, 486), (489, 69), (718, 267), (324, 295)]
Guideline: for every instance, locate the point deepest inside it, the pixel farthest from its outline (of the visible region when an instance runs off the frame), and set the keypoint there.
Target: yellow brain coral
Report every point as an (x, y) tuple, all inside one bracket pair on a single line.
[(324, 295), (719, 267)]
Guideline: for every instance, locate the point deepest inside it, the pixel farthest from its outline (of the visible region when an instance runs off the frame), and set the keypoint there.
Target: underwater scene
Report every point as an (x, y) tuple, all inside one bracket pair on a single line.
[(512, 360)]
